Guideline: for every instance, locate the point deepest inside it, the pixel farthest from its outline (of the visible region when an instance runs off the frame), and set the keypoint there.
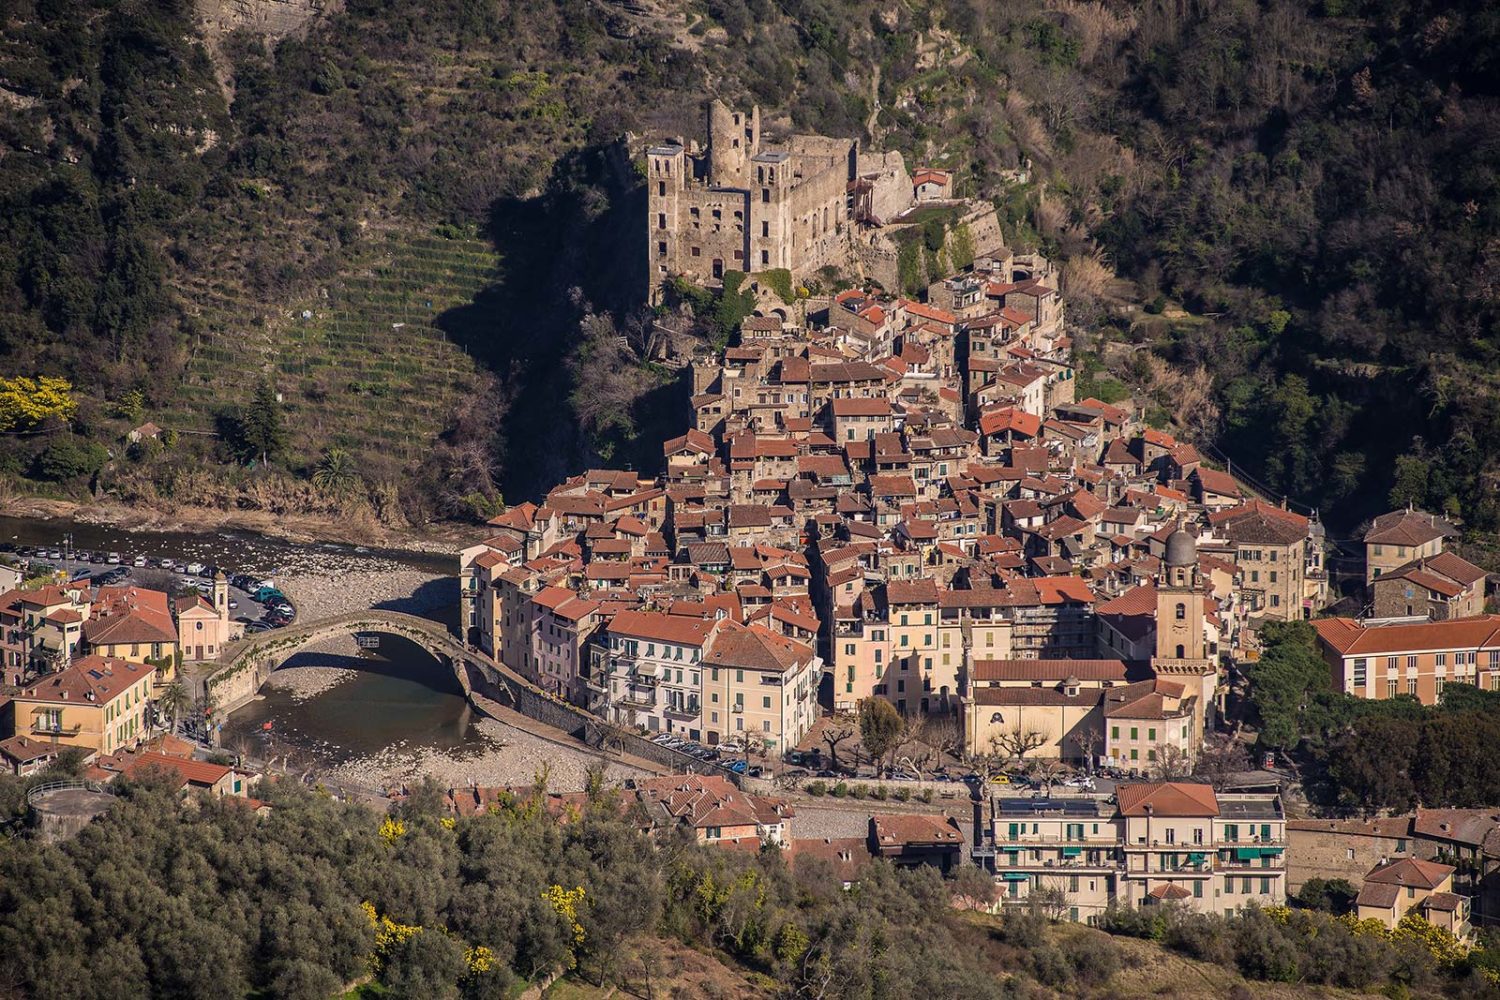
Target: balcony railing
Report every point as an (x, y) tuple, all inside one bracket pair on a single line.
[(690, 710)]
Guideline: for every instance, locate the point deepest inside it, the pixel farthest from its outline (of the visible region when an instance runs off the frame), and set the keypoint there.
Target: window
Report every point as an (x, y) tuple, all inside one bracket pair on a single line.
[(661, 249), (1411, 686), (765, 229), (1359, 673), (1135, 733), (1197, 888), (661, 220), (765, 256), (765, 195), (1114, 732), (695, 251), (1400, 845), (1390, 688), (1181, 611), (661, 188)]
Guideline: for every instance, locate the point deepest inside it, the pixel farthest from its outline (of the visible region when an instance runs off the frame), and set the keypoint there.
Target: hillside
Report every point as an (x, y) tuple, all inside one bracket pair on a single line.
[(1315, 188)]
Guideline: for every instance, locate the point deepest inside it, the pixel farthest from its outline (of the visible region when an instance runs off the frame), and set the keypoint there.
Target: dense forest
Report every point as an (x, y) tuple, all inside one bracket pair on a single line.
[(1313, 185), (161, 899)]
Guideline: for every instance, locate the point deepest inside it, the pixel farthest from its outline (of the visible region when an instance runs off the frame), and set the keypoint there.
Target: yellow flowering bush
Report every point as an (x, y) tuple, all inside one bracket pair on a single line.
[(392, 829), (565, 902), (388, 934), (25, 401)]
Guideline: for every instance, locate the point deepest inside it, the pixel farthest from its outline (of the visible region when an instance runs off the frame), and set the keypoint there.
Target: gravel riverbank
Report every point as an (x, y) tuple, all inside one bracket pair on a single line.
[(502, 755), (321, 591)]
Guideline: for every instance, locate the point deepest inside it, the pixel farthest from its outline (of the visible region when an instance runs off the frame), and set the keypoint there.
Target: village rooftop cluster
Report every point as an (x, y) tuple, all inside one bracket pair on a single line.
[(879, 496)]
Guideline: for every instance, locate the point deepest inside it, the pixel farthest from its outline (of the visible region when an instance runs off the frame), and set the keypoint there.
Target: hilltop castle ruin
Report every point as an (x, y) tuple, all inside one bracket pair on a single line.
[(740, 205)]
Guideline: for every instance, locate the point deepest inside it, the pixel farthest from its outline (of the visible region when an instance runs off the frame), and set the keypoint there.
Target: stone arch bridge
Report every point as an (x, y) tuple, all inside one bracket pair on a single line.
[(249, 663)]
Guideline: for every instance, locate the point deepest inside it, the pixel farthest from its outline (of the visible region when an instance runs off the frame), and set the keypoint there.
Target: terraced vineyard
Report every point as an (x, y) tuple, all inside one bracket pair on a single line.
[(362, 365)]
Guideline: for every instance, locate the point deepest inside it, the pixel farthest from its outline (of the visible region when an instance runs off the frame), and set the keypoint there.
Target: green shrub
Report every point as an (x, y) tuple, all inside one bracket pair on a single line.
[(881, 793), (860, 791), (903, 794), (840, 790), (779, 280), (817, 788)]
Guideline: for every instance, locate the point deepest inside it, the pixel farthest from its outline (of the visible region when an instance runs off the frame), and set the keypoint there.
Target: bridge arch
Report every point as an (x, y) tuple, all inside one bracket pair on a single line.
[(250, 662)]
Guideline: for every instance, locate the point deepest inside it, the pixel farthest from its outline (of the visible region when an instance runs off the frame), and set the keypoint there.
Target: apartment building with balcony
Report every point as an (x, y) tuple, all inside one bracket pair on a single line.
[(98, 703), (1157, 842), (655, 671)]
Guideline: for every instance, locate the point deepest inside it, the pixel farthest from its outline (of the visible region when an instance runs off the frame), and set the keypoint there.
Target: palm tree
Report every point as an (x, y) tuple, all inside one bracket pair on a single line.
[(335, 473), (173, 701)]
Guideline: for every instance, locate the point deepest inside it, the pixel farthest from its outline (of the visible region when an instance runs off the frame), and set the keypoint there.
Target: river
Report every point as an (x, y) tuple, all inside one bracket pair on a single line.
[(398, 696)]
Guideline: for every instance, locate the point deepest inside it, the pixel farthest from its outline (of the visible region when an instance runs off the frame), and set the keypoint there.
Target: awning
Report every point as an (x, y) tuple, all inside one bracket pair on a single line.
[(1014, 877), (1072, 852), (1271, 852), (1197, 858), (1246, 853), (1011, 850)]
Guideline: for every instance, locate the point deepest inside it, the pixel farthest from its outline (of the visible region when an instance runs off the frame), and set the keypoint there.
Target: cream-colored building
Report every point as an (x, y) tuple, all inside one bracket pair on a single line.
[(1163, 842), (1400, 537), (1408, 885), (98, 703), (761, 684), (1039, 708)]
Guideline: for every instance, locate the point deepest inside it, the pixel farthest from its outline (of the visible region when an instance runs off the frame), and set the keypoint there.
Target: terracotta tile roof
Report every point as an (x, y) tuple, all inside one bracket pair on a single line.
[(1393, 827), (1042, 696), (1412, 872), (1351, 639), (661, 627), (1049, 670), (1258, 521), (1167, 798), (1011, 419), (923, 591), (188, 772), (904, 830), (703, 801), (755, 647), (1169, 890), (853, 407), (1407, 527), (102, 677)]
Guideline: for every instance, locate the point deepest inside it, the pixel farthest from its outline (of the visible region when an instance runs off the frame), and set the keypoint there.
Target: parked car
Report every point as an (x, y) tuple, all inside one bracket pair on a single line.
[(253, 627), (738, 767), (139, 562), (193, 568), (114, 557), (1000, 779), (266, 595), (796, 772)]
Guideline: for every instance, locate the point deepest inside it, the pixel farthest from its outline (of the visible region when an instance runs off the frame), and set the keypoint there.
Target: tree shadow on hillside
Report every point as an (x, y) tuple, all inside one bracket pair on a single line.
[(575, 243)]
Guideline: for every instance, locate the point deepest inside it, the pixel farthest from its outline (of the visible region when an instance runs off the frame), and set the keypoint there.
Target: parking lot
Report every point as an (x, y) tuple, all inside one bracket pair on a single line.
[(253, 602)]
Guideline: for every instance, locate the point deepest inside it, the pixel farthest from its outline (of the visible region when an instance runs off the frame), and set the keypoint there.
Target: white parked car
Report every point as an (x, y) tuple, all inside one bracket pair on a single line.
[(138, 561), (114, 557), (193, 569)]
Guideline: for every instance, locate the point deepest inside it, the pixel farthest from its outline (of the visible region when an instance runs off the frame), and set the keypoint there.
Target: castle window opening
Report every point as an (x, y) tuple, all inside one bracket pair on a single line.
[(661, 188), (718, 266), (765, 195), (695, 251), (661, 249), (765, 229), (765, 257), (718, 214), (661, 220)]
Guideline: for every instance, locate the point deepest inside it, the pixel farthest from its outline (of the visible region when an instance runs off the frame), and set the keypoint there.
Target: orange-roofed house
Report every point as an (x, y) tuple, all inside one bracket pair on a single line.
[(562, 623), (1400, 537), (1411, 885), (760, 683), (655, 672), (1410, 658), (98, 703), (715, 810), (133, 623), (1281, 555)]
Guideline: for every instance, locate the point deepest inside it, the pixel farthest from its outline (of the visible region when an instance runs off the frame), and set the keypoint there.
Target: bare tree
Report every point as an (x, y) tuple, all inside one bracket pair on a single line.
[(1087, 741), (944, 733), (1223, 755), (841, 728), (1172, 762), (1049, 902), (1048, 771), (1018, 741)]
